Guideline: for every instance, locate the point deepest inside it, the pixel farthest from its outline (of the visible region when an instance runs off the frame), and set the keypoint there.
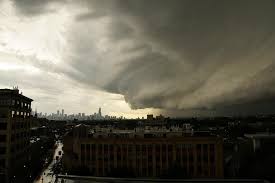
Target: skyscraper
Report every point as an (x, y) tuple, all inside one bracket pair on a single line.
[(62, 112), (99, 112)]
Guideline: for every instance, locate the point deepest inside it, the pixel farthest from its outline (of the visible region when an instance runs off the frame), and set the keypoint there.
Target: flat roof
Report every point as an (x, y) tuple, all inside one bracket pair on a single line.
[(260, 135), (90, 179)]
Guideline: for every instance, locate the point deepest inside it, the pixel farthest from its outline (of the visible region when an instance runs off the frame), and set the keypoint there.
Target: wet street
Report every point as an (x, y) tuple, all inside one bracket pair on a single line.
[(47, 175)]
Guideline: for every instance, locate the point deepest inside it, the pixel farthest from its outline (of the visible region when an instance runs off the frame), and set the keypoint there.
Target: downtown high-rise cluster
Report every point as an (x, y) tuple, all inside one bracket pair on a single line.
[(61, 115)]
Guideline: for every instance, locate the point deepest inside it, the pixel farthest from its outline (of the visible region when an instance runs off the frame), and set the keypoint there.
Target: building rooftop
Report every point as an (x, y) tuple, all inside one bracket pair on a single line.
[(260, 135), (87, 179), (143, 132), (14, 91)]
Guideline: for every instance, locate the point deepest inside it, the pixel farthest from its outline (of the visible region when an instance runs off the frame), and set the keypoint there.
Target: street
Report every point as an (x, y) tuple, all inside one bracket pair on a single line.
[(47, 175)]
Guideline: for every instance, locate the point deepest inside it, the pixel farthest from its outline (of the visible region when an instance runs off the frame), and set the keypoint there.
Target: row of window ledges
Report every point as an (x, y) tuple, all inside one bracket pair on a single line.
[(149, 171), (15, 103), (15, 125), (147, 161), (23, 114), (16, 156), (15, 137), (105, 148)]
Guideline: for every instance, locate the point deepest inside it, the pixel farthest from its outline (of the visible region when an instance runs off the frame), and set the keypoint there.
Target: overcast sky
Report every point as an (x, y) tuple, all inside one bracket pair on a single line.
[(133, 57)]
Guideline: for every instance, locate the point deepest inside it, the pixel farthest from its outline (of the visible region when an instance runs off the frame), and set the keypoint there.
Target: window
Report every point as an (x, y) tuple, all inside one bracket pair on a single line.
[(2, 150), (111, 148), (3, 115), (105, 148), (88, 151), (3, 126), (82, 158), (170, 153), (87, 147), (191, 156), (157, 147), (99, 148), (93, 148), (212, 147), (82, 147), (170, 147), (205, 147), (137, 148), (205, 153), (119, 156), (3, 102), (199, 170), (212, 171), (144, 171), (212, 158), (143, 148), (198, 146), (2, 138), (191, 170), (112, 157), (2, 163)]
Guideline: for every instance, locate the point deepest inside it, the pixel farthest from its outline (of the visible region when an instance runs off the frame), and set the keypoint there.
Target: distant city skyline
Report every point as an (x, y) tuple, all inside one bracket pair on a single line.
[(130, 115), (71, 116)]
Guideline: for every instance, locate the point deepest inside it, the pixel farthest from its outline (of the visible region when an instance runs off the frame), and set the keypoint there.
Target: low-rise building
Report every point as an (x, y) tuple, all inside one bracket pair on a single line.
[(143, 152)]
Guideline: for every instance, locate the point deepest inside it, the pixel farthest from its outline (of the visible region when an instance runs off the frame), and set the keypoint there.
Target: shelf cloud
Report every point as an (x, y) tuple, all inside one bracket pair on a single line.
[(209, 57)]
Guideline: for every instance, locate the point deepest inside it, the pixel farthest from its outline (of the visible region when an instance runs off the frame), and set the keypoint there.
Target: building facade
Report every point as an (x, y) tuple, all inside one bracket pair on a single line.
[(15, 122), (143, 153)]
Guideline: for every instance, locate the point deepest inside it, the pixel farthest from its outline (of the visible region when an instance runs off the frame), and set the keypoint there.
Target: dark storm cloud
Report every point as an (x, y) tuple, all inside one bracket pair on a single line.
[(212, 55), (205, 37)]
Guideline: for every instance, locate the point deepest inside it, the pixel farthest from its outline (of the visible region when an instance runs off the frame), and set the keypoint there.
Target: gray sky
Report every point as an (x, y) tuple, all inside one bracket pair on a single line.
[(133, 57)]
